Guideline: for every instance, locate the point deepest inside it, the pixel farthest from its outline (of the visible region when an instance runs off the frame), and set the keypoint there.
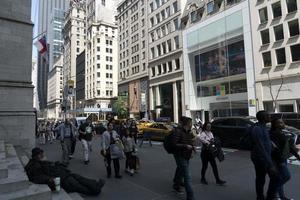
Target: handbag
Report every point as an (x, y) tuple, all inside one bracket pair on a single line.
[(212, 149), (116, 152)]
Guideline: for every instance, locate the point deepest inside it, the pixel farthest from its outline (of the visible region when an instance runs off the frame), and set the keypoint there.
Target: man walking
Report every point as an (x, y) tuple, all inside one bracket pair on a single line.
[(182, 142), (86, 132), (67, 135), (261, 157)]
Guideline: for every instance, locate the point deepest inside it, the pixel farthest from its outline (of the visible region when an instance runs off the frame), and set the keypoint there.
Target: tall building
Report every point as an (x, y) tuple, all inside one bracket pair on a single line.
[(17, 116), (165, 59), (80, 82), (55, 90), (133, 56), (46, 9), (74, 42), (218, 59), (101, 58), (276, 45)]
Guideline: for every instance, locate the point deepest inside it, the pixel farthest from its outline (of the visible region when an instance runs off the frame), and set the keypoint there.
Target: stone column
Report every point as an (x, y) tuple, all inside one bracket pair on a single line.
[(17, 116), (175, 101), (151, 101)]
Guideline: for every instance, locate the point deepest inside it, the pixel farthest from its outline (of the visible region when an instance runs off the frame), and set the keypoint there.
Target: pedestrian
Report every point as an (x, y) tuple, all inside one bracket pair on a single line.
[(261, 157), (281, 152), (49, 132), (182, 141), (42, 133), (130, 150), (66, 134), (86, 132), (207, 156), (133, 129), (123, 130), (111, 150), (74, 140), (40, 171)]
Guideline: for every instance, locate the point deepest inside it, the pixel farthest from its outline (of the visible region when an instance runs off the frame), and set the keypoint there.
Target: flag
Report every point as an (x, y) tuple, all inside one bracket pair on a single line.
[(41, 45)]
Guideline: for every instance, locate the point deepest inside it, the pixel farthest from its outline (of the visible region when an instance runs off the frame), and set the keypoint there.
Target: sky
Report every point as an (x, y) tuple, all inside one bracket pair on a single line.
[(34, 19)]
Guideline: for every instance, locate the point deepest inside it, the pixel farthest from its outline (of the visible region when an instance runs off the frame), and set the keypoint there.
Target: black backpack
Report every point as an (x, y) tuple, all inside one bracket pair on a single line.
[(168, 142), (246, 141)]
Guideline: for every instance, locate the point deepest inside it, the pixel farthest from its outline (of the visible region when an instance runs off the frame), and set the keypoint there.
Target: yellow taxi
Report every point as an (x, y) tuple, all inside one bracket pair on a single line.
[(157, 131), (142, 124)]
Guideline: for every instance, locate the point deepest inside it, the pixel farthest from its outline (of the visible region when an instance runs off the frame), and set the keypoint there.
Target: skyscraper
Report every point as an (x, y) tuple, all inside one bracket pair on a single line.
[(46, 9)]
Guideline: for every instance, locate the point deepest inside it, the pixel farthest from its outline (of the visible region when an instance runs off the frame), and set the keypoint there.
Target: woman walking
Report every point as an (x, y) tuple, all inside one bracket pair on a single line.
[(110, 150), (207, 156), (280, 154)]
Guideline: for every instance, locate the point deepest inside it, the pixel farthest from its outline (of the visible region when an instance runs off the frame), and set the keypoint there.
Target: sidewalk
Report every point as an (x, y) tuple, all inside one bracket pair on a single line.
[(154, 180)]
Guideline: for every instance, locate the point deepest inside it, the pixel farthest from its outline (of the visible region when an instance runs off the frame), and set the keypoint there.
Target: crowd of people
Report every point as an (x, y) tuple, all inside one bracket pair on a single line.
[(270, 149)]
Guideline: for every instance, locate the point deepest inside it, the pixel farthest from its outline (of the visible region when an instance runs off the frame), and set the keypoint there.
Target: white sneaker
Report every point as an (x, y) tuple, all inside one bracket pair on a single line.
[(131, 172)]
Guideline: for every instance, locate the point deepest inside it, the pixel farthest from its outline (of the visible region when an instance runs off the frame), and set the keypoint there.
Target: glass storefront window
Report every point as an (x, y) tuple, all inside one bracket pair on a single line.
[(215, 63)]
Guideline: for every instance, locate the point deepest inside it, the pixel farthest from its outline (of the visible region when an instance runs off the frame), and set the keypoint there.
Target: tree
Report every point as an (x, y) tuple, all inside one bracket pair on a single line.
[(120, 107), (275, 97)]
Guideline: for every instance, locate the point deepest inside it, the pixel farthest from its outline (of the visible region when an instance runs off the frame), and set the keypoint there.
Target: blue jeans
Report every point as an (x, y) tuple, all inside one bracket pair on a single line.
[(183, 171), (285, 175)]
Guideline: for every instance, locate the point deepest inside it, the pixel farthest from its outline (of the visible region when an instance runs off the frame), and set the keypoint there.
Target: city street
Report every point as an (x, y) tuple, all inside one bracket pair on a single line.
[(154, 180)]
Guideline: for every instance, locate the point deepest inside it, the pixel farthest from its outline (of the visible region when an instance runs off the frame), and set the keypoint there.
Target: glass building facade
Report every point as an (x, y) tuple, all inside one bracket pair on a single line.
[(220, 75)]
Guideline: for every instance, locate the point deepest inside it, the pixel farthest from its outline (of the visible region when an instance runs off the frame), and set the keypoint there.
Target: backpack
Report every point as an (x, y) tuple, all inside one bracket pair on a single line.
[(168, 146), (246, 141)]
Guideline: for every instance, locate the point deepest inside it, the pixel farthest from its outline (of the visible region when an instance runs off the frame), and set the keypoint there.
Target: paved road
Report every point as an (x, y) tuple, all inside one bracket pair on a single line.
[(154, 180)]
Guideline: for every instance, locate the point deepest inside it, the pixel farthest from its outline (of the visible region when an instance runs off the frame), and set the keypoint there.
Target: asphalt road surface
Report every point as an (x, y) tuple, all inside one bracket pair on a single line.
[(154, 180)]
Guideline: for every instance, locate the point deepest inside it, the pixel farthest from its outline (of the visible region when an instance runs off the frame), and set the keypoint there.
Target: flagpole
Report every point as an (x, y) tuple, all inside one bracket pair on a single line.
[(38, 35)]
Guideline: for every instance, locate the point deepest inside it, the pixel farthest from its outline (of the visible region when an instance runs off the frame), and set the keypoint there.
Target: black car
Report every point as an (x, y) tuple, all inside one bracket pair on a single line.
[(230, 130), (290, 119)]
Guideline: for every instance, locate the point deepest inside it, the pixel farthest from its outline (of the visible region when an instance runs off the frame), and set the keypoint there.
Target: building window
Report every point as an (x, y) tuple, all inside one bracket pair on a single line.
[(152, 21), (157, 3), (295, 49), (210, 7), (169, 43), (98, 66), (157, 18), (177, 64), (153, 71), (98, 57), (103, 2), (98, 74), (267, 59), (176, 42), (265, 36), (291, 5), (294, 27), (176, 24), (77, 50), (151, 7), (278, 32), (98, 92), (194, 16), (175, 6), (152, 53), (170, 66), (276, 7), (98, 40), (280, 56), (168, 13), (98, 48), (263, 15)]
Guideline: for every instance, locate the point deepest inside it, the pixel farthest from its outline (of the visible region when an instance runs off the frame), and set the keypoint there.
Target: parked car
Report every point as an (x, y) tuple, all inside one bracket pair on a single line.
[(289, 118), (230, 130), (157, 131), (142, 124)]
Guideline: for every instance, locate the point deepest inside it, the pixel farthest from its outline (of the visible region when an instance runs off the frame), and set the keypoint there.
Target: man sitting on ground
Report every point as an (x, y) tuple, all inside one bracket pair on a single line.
[(40, 171)]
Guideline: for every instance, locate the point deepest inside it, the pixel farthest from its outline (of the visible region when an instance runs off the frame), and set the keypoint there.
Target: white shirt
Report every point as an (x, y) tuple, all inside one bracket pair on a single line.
[(206, 136)]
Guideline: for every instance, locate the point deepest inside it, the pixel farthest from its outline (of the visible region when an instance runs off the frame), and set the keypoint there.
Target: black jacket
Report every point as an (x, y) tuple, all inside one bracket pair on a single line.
[(180, 140), (283, 148), (42, 172)]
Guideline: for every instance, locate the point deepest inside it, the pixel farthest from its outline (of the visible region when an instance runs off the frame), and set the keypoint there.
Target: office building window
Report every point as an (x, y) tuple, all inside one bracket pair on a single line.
[(98, 66), (98, 40), (98, 92), (77, 50), (175, 6), (280, 56), (151, 7), (157, 18), (153, 71), (168, 13), (263, 15), (295, 49), (98, 74), (267, 61), (176, 24), (98, 48), (176, 42), (103, 2), (98, 57), (265, 36), (278, 32), (276, 7), (291, 5), (157, 3), (294, 27), (170, 66), (210, 7), (177, 64), (169, 43)]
